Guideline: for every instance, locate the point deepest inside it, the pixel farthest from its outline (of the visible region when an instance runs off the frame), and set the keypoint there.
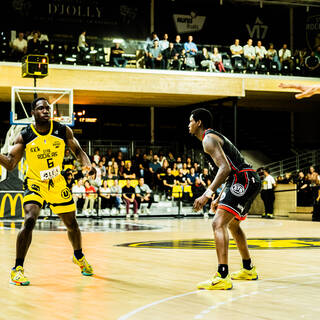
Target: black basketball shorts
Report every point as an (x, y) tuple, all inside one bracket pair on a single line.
[(239, 193)]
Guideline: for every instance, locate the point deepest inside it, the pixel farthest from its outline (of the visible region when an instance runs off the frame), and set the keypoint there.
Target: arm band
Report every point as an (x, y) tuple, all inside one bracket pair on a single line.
[(208, 193)]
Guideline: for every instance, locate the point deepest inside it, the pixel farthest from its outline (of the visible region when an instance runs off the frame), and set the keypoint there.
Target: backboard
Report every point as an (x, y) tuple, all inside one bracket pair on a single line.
[(60, 100)]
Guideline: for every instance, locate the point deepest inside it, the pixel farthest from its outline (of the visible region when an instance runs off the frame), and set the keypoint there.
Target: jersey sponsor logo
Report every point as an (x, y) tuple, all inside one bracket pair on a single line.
[(255, 243), (65, 193), (237, 189), (35, 149), (240, 207), (11, 204), (57, 144)]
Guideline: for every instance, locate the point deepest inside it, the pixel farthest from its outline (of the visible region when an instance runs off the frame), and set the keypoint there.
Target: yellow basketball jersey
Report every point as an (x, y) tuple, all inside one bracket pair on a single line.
[(44, 153)]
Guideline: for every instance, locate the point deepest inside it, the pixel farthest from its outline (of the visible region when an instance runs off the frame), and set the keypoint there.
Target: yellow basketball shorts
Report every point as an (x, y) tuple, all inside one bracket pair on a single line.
[(54, 193)]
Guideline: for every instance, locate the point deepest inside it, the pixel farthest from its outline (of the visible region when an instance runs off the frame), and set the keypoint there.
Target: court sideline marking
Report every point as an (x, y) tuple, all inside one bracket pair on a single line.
[(199, 316)]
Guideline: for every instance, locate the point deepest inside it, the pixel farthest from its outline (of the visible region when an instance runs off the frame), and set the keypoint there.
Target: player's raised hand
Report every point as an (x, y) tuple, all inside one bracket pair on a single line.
[(306, 91)]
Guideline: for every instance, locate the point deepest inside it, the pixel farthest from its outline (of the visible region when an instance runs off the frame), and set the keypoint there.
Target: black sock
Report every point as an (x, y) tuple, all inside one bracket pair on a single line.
[(19, 262), (247, 264), (223, 270), (78, 254)]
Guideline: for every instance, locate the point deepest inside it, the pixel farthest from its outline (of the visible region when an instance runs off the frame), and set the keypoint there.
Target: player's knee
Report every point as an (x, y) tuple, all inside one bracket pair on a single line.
[(72, 225), (29, 223), (216, 224)]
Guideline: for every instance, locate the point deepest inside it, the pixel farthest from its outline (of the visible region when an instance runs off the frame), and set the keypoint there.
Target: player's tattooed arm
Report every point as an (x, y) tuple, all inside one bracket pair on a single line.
[(75, 147), (213, 147), (12, 159), (306, 91)]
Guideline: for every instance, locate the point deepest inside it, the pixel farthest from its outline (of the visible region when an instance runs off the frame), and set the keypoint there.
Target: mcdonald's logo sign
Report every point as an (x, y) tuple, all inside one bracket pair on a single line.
[(9, 202)]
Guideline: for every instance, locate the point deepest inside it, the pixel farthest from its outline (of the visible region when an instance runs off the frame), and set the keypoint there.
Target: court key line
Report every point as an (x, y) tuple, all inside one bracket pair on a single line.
[(199, 316)]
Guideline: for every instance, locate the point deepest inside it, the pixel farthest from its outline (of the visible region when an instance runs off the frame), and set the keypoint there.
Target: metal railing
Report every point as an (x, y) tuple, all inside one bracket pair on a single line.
[(296, 163)]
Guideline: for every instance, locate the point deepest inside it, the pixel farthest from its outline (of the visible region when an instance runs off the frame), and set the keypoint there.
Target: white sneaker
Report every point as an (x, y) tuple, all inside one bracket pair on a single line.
[(135, 216), (128, 216), (147, 210)]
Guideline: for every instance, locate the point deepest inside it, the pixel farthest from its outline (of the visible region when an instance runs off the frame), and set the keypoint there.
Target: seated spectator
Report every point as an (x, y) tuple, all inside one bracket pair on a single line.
[(143, 194), (182, 60), (312, 64), (34, 45), (78, 193), (175, 170), (178, 46), (96, 156), (19, 47), (181, 179), (236, 52), (136, 159), (249, 52), (105, 196), (204, 176), (179, 163), (272, 56), (90, 197), (190, 47), (113, 170), (197, 168), (102, 169), (168, 183), (68, 158), (164, 43), (205, 59), (129, 197), (116, 56), (128, 172), (191, 177), (170, 58), (94, 180), (198, 189), (217, 60), (155, 56), (121, 169), (115, 197), (161, 173), (189, 163), (285, 57), (313, 176), (287, 178), (69, 180), (43, 38), (260, 53), (171, 158), (304, 197), (185, 169)]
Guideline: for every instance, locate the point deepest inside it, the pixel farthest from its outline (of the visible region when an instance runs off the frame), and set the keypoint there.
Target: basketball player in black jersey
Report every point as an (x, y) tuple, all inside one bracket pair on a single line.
[(242, 186)]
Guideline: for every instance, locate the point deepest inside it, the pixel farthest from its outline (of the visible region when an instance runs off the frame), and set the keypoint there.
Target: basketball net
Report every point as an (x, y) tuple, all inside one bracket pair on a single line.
[(11, 136)]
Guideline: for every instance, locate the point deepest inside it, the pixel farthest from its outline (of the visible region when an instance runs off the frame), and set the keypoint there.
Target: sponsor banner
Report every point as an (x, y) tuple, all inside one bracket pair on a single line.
[(11, 205), (313, 31), (188, 23)]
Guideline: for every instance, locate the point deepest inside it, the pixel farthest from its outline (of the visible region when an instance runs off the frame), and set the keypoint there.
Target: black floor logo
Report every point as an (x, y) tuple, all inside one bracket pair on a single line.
[(256, 243)]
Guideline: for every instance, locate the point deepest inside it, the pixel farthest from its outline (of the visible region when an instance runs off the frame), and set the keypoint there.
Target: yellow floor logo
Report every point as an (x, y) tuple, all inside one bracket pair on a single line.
[(264, 243)]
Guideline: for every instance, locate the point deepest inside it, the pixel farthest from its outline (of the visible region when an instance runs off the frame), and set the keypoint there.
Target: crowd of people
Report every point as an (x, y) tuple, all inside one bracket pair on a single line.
[(176, 54), (133, 182)]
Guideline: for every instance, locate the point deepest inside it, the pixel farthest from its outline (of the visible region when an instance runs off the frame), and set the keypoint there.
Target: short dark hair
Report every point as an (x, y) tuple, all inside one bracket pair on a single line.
[(34, 102), (204, 115)]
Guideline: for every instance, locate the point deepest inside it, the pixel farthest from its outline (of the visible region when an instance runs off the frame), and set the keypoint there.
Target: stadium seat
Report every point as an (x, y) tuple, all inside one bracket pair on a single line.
[(262, 68), (251, 68), (273, 68), (100, 57), (177, 192), (59, 54)]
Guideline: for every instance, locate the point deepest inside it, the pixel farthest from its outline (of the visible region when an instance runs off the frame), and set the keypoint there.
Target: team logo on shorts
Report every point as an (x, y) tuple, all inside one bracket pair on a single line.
[(65, 193), (237, 189)]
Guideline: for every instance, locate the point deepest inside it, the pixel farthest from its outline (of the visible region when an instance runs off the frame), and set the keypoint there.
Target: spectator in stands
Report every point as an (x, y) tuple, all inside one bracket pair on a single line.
[(206, 60), (178, 46), (217, 60), (155, 56), (174, 169), (287, 179), (34, 46), (82, 45), (102, 169), (170, 57), (164, 43), (96, 157), (43, 38), (272, 56), (303, 190), (150, 41), (94, 179), (115, 196), (68, 158), (285, 57), (249, 52), (190, 47), (161, 173), (69, 180), (185, 169), (182, 60), (189, 163), (113, 170), (136, 159), (104, 196), (154, 167), (312, 64), (116, 57), (204, 176), (168, 183), (128, 171), (267, 193), (191, 176), (261, 52), (78, 192), (181, 179), (171, 158), (119, 158), (236, 52), (90, 197), (197, 190), (19, 47), (129, 197), (313, 176), (144, 195), (179, 163)]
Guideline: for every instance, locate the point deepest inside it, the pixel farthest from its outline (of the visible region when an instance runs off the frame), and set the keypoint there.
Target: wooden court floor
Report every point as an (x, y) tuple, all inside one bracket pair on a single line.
[(146, 281)]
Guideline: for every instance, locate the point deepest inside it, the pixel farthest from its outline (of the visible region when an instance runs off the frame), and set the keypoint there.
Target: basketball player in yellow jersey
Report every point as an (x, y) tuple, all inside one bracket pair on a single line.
[(44, 144)]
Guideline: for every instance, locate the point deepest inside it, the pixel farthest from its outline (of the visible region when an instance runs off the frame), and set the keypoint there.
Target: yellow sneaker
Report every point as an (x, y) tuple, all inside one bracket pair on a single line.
[(244, 274), (216, 283), (85, 267), (18, 278)]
